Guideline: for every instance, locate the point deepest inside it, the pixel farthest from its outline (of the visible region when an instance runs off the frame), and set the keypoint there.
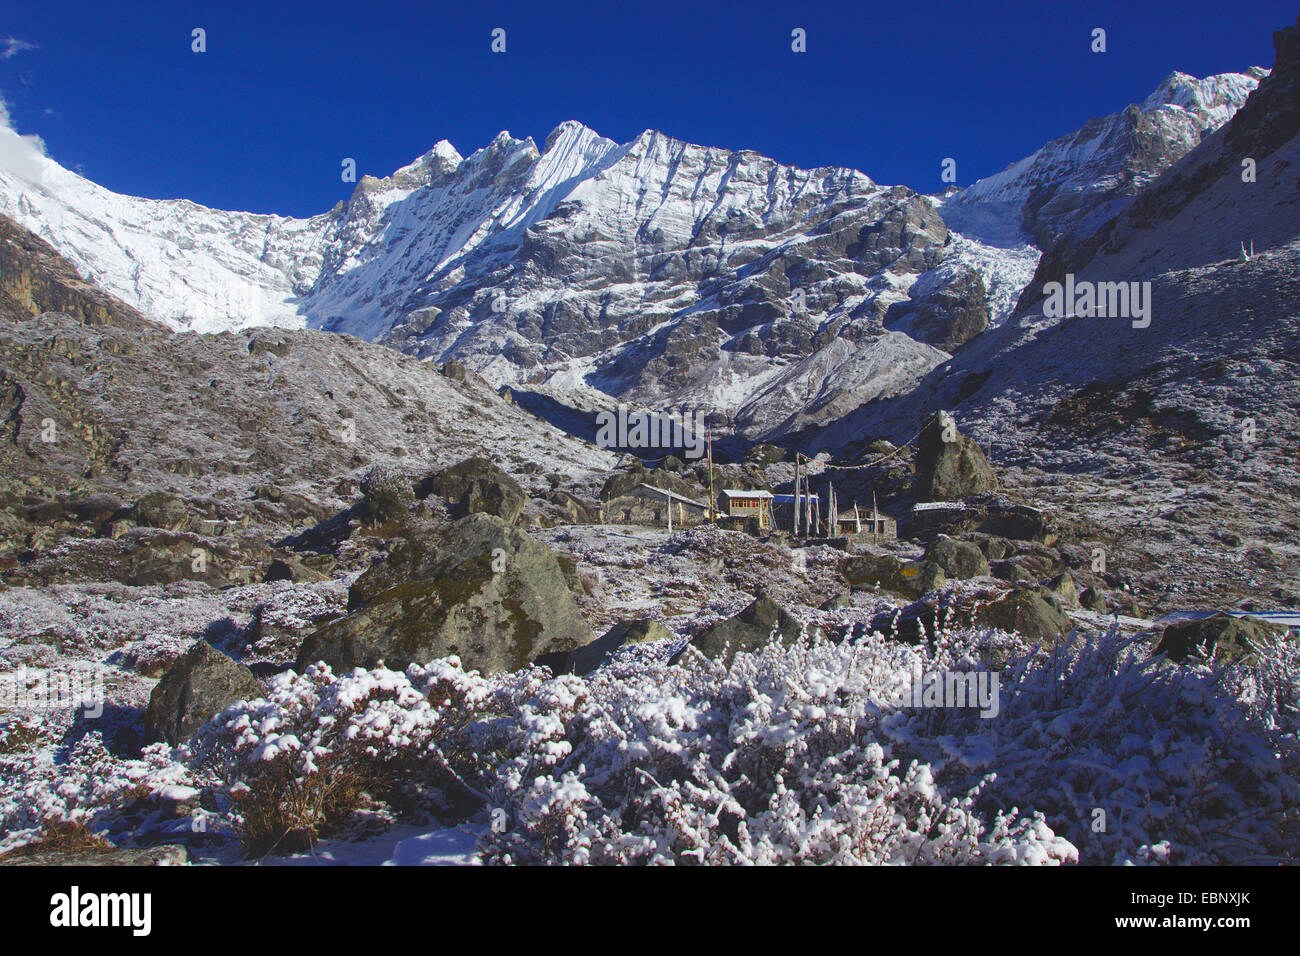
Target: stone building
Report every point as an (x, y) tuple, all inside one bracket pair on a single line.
[(654, 507)]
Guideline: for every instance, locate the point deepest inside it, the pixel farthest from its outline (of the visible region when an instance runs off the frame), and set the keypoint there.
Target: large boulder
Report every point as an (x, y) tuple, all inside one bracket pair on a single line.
[(750, 630), (958, 559), (909, 578), (201, 683), (161, 509), (1222, 637), (477, 588), (1025, 611), (475, 486), (949, 466), (385, 493)]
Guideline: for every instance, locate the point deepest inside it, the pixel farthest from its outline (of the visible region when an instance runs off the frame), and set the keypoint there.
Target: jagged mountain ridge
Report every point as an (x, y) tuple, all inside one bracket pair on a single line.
[(654, 271), (1078, 181)]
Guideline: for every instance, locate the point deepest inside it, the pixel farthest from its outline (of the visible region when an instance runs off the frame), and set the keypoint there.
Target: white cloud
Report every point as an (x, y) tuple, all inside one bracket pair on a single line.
[(12, 46), (23, 156)]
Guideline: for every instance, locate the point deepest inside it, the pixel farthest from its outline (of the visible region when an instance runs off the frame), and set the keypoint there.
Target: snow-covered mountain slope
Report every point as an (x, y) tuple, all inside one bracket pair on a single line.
[(655, 271), (185, 265), (1080, 180)]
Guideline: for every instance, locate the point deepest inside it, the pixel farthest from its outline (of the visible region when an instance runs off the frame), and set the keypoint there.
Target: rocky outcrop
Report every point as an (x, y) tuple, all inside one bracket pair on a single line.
[(958, 559), (201, 683), (1026, 611), (475, 486), (949, 466), (1222, 638), (478, 588), (34, 278), (909, 578), (946, 311), (585, 659)]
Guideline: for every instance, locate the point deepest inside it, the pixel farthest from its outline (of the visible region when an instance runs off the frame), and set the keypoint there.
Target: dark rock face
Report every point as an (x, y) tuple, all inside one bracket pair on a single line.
[(478, 588), (750, 630), (34, 278), (946, 315), (475, 486), (159, 509), (1222, 637), (949, 466), (200, 684)]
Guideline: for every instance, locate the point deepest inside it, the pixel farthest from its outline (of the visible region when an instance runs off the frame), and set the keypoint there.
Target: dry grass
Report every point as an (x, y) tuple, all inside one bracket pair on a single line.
[(61, 836), (284, 813)]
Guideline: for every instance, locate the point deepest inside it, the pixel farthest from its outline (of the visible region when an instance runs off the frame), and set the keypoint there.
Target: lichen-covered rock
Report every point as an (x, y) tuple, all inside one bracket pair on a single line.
[(478, 588), (1028, 612), (958, 559), (1025, 611), (385, 493), (161, 509), (201, 683), (1222, 637), (475, 486), (909, 578)]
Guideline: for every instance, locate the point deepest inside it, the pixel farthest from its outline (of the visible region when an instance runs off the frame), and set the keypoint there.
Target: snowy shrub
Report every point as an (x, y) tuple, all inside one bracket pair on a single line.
[(79, 785), (319, 748), (773, 761), (1188, 765), (803, 754)]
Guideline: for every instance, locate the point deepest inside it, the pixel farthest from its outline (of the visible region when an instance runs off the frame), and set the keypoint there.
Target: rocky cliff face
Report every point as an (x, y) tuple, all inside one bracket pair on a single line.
[(34, 279)]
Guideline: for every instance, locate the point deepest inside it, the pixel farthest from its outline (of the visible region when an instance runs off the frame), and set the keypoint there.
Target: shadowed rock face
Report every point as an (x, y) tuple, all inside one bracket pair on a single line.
[(202, 683), (946, 315), (478, 588)]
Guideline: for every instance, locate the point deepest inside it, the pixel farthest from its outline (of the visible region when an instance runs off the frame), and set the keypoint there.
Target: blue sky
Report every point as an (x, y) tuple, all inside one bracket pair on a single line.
[(285, 91)]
